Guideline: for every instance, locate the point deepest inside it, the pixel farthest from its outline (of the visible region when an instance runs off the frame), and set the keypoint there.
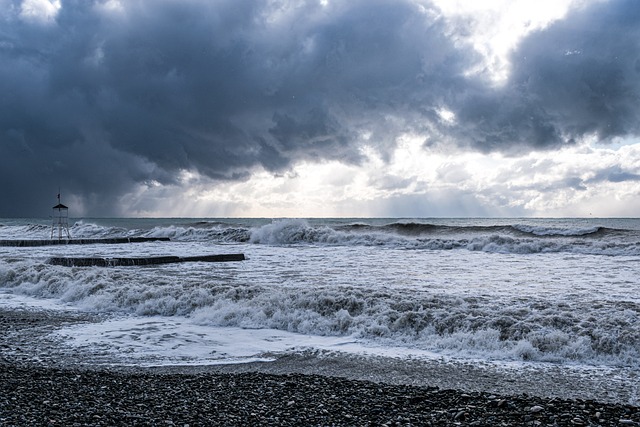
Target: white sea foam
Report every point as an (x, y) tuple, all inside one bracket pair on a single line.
[(13, 301), (334, 293), (25, 231), (156, 341)]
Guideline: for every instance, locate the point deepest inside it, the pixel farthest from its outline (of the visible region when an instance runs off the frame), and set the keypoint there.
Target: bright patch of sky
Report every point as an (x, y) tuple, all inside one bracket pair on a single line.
[(42, 11), (496, 26), (575, 181)]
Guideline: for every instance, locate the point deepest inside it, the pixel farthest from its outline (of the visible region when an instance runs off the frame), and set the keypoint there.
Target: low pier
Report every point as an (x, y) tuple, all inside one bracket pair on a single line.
[(119, 262), (33, 242)]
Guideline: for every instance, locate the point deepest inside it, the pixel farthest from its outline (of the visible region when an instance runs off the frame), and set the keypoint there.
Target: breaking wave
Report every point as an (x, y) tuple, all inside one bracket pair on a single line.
[(514, 329), (498, 239)]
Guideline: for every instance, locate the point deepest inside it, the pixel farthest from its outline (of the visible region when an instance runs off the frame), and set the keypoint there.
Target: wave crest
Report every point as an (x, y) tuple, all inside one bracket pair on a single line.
[(551, 231)]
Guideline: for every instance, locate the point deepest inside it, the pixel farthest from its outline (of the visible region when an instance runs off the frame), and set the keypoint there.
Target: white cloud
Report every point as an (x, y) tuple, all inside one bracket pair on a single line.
[(496, 26), (40, 11)]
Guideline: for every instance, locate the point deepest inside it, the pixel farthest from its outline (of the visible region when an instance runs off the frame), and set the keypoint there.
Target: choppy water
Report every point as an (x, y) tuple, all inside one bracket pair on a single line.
[(556, 291)]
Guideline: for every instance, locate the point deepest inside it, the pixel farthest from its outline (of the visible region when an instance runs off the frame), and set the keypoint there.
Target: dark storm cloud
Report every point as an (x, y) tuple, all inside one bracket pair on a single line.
[(97, 101), (578, 77)]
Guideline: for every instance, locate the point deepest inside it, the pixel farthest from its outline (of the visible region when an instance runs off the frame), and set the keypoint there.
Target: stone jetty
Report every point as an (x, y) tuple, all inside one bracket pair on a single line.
[(47, 242), (114, 262)]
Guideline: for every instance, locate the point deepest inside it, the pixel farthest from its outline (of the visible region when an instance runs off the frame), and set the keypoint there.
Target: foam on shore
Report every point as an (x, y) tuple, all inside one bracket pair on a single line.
[(44, 336)]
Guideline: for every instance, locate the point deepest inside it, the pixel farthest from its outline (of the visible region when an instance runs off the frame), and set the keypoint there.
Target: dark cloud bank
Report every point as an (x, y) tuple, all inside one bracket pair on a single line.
[(96, 101)]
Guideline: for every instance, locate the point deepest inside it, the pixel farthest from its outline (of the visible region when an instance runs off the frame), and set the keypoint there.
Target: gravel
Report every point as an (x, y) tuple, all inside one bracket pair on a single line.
[(40, 386), (45, 396)]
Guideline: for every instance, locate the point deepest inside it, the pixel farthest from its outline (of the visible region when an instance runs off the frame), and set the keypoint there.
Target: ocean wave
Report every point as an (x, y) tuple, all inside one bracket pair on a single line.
[(210, 232), (89, 230), (422, 229), (410, 235), (430, 237), (411, 228), (506, 329), (26, 231), (296, 231), (554, 231)]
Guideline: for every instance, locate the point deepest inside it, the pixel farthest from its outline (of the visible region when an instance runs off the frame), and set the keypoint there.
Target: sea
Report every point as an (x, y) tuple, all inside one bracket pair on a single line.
[(544, 292)]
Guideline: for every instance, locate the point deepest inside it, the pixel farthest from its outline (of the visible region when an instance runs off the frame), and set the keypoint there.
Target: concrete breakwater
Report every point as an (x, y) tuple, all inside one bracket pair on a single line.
[(113, 262), (34, 242)]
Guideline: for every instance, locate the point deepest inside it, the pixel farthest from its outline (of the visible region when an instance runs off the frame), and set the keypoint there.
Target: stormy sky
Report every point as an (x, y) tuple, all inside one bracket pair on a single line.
[(320, 108)]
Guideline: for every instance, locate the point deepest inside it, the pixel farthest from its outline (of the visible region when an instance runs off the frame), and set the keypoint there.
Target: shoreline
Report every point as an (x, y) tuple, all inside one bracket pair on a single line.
[(43, 387)]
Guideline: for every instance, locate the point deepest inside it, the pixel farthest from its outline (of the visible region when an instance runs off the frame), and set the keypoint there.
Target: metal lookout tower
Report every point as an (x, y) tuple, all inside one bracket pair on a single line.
[(60, 220)]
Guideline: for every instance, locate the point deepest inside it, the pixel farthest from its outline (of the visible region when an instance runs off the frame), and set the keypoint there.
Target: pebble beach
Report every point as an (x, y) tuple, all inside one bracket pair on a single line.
[(41, 386)]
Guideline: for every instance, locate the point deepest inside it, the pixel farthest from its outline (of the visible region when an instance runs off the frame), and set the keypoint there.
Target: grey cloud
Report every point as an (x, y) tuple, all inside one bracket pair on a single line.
[(391, 182), (217, 87), (578, 77), (98, 102), (614, 174)]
